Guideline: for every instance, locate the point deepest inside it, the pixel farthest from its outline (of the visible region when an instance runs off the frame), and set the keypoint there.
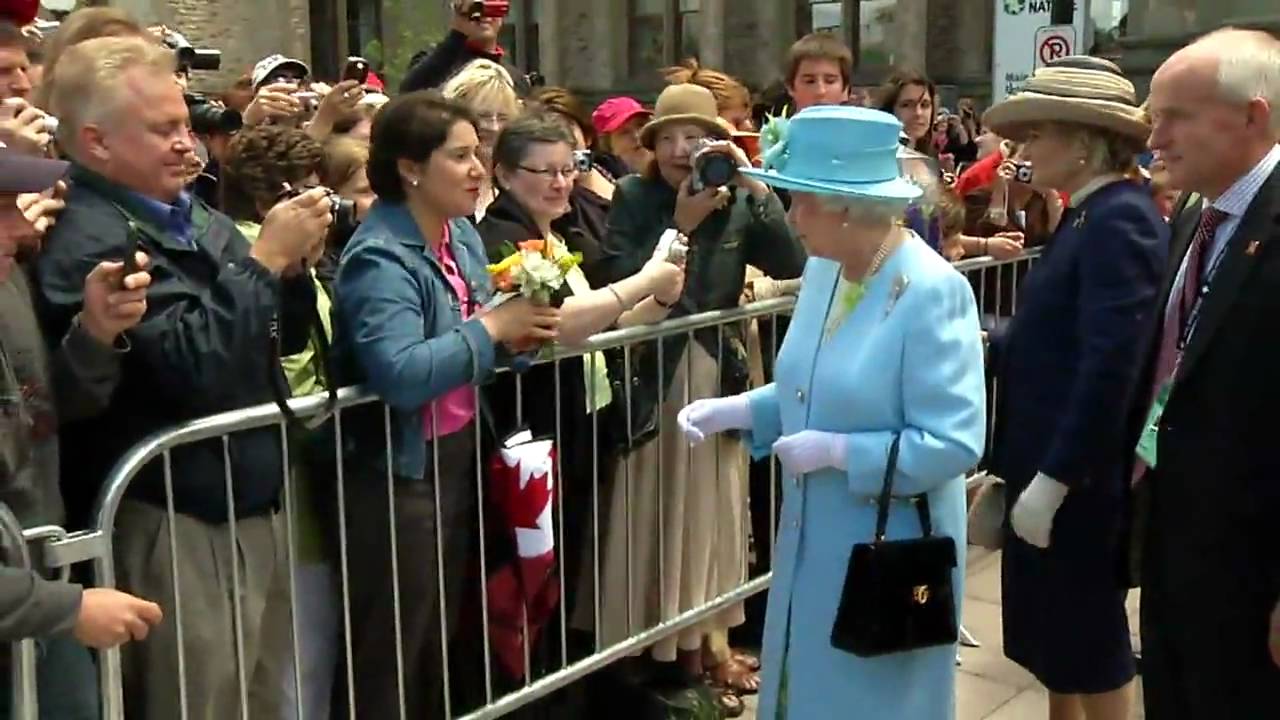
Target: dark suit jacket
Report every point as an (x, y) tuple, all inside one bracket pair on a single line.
[(1207, 514), (1069, 360)]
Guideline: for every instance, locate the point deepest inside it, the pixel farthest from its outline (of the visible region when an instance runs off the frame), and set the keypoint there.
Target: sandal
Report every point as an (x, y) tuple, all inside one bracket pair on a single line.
[(730, 704), (734, 676), (747, 660)]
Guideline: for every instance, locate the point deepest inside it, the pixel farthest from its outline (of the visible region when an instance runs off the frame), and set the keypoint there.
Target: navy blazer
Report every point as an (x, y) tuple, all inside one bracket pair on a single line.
[(1069, 363)]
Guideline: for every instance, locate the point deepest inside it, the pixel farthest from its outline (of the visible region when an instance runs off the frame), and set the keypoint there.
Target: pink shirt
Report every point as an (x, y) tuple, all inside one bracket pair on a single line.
[(457, 407)]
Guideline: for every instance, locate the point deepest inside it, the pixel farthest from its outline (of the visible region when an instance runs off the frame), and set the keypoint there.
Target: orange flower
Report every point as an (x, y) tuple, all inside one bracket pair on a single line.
[(533, 246)]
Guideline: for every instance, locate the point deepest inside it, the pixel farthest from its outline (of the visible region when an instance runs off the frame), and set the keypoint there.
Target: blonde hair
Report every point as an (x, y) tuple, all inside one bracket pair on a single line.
[(1105, 151), (730, 94), (485, 87), (93, 78), (343, 158), (79, 26)]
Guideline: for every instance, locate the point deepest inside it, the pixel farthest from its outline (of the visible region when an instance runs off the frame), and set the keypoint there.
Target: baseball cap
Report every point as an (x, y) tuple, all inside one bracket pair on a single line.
[(21, 173), (615, 112), (272, 64)]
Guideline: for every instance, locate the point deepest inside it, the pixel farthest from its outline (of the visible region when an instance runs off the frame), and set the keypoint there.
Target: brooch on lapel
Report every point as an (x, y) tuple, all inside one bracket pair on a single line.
[(1079, 221), (1252, 249), (900, 285)]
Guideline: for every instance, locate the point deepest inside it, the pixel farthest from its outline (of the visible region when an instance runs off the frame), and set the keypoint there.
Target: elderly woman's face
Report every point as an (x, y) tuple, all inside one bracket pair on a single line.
[(820, 229), (1055, 155), (541, 181), (491, 123), (672, 146)]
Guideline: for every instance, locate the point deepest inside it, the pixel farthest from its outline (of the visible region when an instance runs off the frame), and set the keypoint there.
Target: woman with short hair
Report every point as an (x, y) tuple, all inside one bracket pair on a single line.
[(410, 289), (486, 89), (1068, 369)]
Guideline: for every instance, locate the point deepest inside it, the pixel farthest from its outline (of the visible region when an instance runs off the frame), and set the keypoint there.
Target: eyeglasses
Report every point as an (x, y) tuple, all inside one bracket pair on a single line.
[(568, 173)]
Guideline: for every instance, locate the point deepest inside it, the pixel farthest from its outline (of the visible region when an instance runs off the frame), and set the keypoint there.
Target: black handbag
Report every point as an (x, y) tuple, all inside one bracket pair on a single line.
[(898, 595)]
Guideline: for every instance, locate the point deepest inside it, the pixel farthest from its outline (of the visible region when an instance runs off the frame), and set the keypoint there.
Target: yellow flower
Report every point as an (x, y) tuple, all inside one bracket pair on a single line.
[(508, 263)]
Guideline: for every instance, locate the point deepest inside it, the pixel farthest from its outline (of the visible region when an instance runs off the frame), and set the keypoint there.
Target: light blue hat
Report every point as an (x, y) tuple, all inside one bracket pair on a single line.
[(835, 150)]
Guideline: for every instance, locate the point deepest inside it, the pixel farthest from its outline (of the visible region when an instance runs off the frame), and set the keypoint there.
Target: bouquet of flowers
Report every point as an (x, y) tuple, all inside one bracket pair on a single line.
[(533, 269)]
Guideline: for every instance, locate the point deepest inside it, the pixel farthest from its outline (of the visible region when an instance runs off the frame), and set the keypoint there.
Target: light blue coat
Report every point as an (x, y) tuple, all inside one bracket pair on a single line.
[(912, 366)]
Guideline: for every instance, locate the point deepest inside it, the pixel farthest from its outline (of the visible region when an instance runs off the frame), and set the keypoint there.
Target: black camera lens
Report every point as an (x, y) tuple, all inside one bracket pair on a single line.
[(715, 169), (208, 118)]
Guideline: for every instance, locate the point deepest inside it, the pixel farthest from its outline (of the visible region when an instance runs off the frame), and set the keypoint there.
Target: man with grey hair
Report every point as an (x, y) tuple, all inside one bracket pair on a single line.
[(204, 345), (1207, 468)]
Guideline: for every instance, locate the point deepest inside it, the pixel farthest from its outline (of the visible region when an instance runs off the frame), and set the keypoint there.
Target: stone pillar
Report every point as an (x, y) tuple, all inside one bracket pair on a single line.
[(911, 33), (589, 46), (711, 32)]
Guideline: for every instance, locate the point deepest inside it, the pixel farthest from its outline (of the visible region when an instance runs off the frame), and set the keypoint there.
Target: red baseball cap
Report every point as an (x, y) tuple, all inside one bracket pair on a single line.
[(615, 112), (19, 12)]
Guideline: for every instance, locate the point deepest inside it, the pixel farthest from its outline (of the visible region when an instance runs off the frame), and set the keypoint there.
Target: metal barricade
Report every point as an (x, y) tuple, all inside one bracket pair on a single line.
[(496, 694), (23, 702)]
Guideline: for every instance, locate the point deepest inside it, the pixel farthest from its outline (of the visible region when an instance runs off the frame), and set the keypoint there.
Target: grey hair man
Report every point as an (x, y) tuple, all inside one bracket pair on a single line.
[(203, 346), (1208, 503)]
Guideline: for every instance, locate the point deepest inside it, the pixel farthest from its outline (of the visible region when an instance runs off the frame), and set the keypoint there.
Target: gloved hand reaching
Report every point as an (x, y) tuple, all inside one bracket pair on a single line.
[(811, 450), (702, 418), (1033, 513)]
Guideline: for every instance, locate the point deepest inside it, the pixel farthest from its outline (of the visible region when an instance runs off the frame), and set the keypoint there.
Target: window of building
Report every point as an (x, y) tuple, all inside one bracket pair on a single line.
[(519, 34), (825, 15), (646, 47), (877, 34), (689, 27)]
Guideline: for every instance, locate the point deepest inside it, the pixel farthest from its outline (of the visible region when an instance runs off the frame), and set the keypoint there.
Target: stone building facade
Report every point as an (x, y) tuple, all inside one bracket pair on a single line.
[(611, 46)]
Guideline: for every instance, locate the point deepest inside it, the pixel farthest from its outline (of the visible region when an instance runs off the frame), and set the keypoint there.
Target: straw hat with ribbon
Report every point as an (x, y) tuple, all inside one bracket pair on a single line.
[(1077, 89), (684, 104)]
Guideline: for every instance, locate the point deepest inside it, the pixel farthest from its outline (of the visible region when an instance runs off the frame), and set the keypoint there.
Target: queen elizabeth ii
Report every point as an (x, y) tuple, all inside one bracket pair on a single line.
[(884, 344)]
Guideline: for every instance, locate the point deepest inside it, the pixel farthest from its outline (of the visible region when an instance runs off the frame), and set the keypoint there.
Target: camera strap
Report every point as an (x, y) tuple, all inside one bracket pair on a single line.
[(324, 373)]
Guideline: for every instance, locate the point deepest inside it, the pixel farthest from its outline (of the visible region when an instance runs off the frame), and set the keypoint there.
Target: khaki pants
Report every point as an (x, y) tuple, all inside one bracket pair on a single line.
[(205, 562)]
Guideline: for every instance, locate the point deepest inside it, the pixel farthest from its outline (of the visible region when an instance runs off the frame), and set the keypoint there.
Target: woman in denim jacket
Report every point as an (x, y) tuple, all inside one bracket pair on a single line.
[(410, 291)]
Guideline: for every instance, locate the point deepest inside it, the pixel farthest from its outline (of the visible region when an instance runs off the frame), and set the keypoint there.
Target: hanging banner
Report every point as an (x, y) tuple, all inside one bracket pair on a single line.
[(1025, 38)]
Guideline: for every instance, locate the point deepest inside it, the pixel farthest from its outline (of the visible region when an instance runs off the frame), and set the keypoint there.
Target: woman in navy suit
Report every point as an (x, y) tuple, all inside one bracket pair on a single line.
[(1067, 368)]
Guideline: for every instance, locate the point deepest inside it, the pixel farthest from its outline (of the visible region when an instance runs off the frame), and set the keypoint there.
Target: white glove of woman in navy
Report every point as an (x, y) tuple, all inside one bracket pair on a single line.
[(810, 451), (1032, 515), (701, 419)]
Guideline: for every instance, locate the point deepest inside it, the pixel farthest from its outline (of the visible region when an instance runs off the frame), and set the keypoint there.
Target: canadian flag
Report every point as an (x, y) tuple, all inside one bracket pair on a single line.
[(522, 486)]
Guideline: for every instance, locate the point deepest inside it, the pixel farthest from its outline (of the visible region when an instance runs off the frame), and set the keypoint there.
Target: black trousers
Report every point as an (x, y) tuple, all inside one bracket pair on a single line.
[(374, 636), (1207, 597)]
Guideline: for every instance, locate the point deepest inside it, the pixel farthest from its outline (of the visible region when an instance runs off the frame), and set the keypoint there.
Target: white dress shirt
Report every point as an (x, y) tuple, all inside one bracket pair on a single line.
[(1234, 202)]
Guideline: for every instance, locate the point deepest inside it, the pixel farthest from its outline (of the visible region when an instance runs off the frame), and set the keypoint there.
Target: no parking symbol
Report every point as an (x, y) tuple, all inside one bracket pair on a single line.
[(1054, 42)]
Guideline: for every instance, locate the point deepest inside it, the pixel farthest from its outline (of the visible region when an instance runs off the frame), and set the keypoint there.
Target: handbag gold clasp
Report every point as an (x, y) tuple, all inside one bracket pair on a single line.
[(920, 594)]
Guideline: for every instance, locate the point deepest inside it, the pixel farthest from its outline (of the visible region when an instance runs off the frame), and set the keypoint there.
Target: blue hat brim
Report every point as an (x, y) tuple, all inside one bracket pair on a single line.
[(895, 189)]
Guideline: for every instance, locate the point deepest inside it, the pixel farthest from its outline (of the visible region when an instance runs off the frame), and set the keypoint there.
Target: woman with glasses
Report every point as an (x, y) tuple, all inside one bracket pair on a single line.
[(486, 89), (535, 171)]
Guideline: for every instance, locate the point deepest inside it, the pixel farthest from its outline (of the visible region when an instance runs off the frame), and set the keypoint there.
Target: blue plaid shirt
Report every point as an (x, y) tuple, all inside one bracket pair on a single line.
[(172, 218)]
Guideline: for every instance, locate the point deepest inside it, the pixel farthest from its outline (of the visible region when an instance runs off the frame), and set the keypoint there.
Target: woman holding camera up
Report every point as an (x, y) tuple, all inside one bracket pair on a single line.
[(731, 221), (1068, 367), (411, 291)]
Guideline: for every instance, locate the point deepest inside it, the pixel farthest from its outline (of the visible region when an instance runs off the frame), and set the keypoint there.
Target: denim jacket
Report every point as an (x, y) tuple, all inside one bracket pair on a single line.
[(401, 322)]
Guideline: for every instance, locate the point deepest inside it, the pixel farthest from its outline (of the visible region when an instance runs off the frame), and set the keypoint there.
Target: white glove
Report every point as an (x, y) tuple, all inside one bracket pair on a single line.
[(811, 450), (1032, 516), (709, 416)]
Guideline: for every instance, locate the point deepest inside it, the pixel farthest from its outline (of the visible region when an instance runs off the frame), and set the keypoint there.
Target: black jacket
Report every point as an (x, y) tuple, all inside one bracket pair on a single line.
[(433, 68), (205, 346)]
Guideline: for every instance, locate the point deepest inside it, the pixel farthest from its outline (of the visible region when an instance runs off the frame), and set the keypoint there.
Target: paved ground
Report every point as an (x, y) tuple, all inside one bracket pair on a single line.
[(989, 686)]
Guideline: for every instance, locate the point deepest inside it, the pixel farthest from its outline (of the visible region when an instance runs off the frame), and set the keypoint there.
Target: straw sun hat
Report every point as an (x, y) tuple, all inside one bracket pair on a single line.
[(1076, 89), (684, 103)]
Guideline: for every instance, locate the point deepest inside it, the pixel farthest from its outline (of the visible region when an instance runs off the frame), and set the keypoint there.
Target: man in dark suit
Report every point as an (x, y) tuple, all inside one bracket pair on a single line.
[(1208, 462)]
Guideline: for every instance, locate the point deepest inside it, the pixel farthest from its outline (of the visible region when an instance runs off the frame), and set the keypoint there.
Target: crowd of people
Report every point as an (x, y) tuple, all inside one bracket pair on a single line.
[(167, 255)]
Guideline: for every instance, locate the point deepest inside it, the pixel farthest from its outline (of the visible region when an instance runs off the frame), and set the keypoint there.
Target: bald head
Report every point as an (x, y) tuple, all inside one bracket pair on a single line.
[(1215, 108)]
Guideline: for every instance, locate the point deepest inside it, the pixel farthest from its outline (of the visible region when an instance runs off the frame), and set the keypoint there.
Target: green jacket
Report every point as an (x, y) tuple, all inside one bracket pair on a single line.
[(746, 232)]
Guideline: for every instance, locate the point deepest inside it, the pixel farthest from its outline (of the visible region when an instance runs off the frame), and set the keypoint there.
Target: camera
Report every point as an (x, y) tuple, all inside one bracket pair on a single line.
[(582, 160), (712, 168), (211, 118), (1023, 172), (486, 9), (190, 57), (343, 220)]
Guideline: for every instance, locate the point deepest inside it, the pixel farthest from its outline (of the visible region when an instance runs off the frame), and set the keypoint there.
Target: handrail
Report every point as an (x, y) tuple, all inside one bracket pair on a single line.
[(23, 694)]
